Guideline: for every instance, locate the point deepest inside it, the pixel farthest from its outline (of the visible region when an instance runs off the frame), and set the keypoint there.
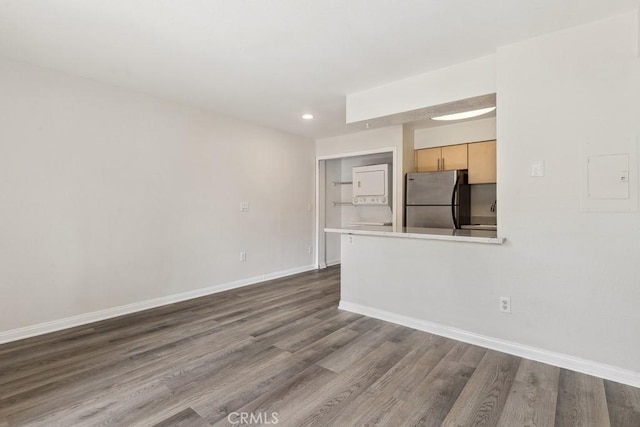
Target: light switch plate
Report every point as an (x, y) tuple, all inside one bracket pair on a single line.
[(244, 206), (537, 168)]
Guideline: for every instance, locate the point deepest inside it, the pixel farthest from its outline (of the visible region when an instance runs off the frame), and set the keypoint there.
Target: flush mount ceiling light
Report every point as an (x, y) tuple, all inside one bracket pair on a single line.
[(465, 114), (307, 116)]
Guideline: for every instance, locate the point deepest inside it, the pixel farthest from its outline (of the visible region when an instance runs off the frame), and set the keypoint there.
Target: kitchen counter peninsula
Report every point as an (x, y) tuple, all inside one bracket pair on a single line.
[(473, 236)]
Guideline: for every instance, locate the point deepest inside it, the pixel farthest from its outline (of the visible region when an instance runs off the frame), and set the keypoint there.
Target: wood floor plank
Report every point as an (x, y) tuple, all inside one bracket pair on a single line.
[(622, 395), (331, 399), (365, 324), (220, 396), (482, 400), (185, 418), (241, 393), (299, 388), (345, 357), (620, 416), (581, 401), (467, 354), (438, 348), (311, 335), (213, 387), (72, 361), (417, 338), (473, 355), (119, 364), (45, 342), (623, 404), (533, 396), (297, 327), (101, 385), (431, 400), (393, 388), (325, 346), (250, 310), (101, 411), (92, 344), (284, 347)]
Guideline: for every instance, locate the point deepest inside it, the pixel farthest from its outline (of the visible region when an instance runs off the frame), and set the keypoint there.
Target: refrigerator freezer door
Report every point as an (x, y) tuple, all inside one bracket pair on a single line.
[(430, 188), (430, 216)]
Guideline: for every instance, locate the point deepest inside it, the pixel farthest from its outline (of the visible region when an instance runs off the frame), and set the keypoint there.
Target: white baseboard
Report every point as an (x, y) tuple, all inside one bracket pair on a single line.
[(83, 319), (334, 262), (584, 366)]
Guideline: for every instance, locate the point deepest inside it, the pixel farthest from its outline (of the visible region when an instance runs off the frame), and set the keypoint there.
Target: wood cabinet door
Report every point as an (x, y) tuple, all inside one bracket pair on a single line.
[(454, 157), (428, 160), (482, 162)]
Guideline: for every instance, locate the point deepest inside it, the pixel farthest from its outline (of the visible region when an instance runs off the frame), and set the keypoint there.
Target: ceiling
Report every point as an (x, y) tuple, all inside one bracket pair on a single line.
[(270, 61)]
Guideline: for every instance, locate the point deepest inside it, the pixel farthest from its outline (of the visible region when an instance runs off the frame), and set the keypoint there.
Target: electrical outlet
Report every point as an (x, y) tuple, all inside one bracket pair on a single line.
[(243, 256), (505, 305), (309, 250), (351, 240)]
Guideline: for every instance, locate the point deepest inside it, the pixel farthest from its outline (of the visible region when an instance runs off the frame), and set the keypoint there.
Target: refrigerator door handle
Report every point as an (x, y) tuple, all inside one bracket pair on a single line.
[(453, 203)]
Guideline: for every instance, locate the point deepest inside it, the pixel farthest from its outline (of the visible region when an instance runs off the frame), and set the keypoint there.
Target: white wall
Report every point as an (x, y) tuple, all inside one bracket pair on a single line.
[(465, 80), (110, 197), (572, 276), (575, 272), (372, 139), (458, 133)]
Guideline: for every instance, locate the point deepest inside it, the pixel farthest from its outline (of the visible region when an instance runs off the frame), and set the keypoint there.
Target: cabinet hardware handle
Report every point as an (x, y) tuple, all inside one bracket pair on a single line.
[(438, 164), (443, 163)]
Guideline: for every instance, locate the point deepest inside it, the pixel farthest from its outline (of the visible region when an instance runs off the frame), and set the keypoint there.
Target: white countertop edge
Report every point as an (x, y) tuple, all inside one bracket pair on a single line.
[(425, 236)]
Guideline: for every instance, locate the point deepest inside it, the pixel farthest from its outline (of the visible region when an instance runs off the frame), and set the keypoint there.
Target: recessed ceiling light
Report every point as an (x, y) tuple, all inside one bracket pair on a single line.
[(465, 114), (307, 116)]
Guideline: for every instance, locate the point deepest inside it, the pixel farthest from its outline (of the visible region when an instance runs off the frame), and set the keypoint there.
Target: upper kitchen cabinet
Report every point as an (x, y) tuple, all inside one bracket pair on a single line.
[(442, 158), (482, 162), (428, 159), (454, 157)]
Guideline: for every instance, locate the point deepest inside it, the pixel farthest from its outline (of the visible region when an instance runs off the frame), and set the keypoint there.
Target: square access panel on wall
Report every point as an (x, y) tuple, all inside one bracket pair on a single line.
[(609, 178)]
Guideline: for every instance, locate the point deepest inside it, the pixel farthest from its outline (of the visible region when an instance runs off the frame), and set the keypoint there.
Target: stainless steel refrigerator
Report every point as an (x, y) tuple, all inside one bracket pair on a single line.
[(438, 199)]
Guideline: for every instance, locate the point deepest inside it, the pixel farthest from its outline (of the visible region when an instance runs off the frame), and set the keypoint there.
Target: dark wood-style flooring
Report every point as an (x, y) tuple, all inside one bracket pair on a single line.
[(283, 347)]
